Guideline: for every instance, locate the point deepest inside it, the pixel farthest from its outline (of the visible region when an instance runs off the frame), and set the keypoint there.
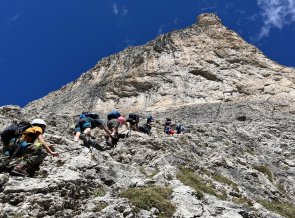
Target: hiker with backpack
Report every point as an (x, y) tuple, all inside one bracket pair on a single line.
[(29, 146), (9, 137), (86, 122), (133, 120), (146, 128), (168, 127), (123, 122), (180, 129), (113, 125)]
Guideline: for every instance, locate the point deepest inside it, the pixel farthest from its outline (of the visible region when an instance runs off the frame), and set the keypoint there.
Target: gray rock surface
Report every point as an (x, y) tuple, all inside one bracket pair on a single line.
[(239, 108)]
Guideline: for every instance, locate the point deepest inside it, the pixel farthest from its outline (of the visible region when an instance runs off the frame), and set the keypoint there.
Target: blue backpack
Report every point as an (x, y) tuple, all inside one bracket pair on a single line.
[(180, 128), (113, 115), (88, 115), (167, 129)]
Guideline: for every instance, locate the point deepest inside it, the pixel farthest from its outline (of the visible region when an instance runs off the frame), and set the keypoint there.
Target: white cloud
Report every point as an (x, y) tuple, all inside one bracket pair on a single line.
[(115, 9), (119, 11), (124, 11), (129, 42), (276, 14), (160, 30), (12, 19)]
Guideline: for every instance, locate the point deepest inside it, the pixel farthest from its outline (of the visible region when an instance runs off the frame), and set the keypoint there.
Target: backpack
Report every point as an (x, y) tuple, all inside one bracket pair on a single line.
[(134, 116), (88, 115), (179, 128), (167, 129), (145, 129), (149, 119), (113, 115), (14, 130)]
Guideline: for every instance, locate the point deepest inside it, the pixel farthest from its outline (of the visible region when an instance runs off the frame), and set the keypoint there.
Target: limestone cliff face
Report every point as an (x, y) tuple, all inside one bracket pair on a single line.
[(237, 160), (203, 63)]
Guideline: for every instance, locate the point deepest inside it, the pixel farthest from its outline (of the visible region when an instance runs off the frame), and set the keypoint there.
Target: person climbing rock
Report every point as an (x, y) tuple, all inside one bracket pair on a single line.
[(32, 149), (168, 127), (180, 129), (123, 122), (86, 122), (146, 128), (133, 120), (10, 136)]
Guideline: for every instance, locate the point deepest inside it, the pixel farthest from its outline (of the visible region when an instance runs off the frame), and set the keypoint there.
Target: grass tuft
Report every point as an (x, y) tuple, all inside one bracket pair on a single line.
[(149, 197), (99, 191), (284, 209), (225, 180), (100, 206), (189, 177), (265, 171), (242, 201)]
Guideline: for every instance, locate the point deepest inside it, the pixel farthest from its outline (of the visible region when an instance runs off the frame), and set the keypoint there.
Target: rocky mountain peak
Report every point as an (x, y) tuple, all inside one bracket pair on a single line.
[(188, 66), (208, 19), (236, 158)]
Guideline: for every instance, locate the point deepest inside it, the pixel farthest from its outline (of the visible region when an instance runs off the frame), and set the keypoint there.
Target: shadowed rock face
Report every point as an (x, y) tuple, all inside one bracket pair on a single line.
[(237, 104)]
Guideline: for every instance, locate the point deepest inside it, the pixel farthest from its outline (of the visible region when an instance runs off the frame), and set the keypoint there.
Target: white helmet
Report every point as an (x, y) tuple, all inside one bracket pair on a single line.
[(38, 122)]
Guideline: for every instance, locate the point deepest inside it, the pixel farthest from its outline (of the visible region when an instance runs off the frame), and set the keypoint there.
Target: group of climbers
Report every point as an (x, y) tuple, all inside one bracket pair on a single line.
[(171, 128), (24, 147), (88, 121)]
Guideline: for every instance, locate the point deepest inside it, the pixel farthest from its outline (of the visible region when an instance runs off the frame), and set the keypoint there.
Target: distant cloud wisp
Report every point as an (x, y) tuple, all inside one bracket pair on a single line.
[(13, 19), (160, 29), (276, 14), (117, 11)]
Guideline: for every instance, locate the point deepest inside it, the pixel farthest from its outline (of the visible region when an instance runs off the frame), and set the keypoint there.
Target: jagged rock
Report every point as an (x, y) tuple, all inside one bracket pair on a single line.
[(238, 106)]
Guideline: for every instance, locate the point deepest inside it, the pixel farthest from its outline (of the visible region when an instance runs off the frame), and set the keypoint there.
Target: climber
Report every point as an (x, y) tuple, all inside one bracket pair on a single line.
[(113, 125), (123, 122), (180, 129), (146, 128), (30, 149), (9, 137), (168, 127), (133, 120), (86, 122)]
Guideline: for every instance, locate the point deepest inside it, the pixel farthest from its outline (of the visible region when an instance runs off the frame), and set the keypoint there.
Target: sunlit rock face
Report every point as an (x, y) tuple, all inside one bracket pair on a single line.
[(236, 103)]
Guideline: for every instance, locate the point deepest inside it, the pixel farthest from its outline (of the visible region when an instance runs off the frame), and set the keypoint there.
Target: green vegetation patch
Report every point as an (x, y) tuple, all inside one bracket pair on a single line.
[(155, 172), (281, 188), (225, 180), (19, 215), (284, 209), (99, 191), (149, 197), (189, 177), (265, 171), (100, 206), (242, 201), (152, 174)]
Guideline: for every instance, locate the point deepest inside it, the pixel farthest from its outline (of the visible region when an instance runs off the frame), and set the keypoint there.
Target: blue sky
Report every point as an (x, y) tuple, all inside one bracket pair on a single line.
[(47, 44)]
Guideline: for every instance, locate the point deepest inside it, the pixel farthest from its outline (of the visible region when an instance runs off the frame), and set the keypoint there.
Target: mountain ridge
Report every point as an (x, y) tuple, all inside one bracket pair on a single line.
[(139, 76)]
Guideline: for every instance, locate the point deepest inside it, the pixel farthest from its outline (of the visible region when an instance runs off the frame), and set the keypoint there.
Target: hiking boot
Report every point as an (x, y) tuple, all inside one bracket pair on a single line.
[(82, 137), (110, 141), (128, 134), (19, 170), (85, 140)]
